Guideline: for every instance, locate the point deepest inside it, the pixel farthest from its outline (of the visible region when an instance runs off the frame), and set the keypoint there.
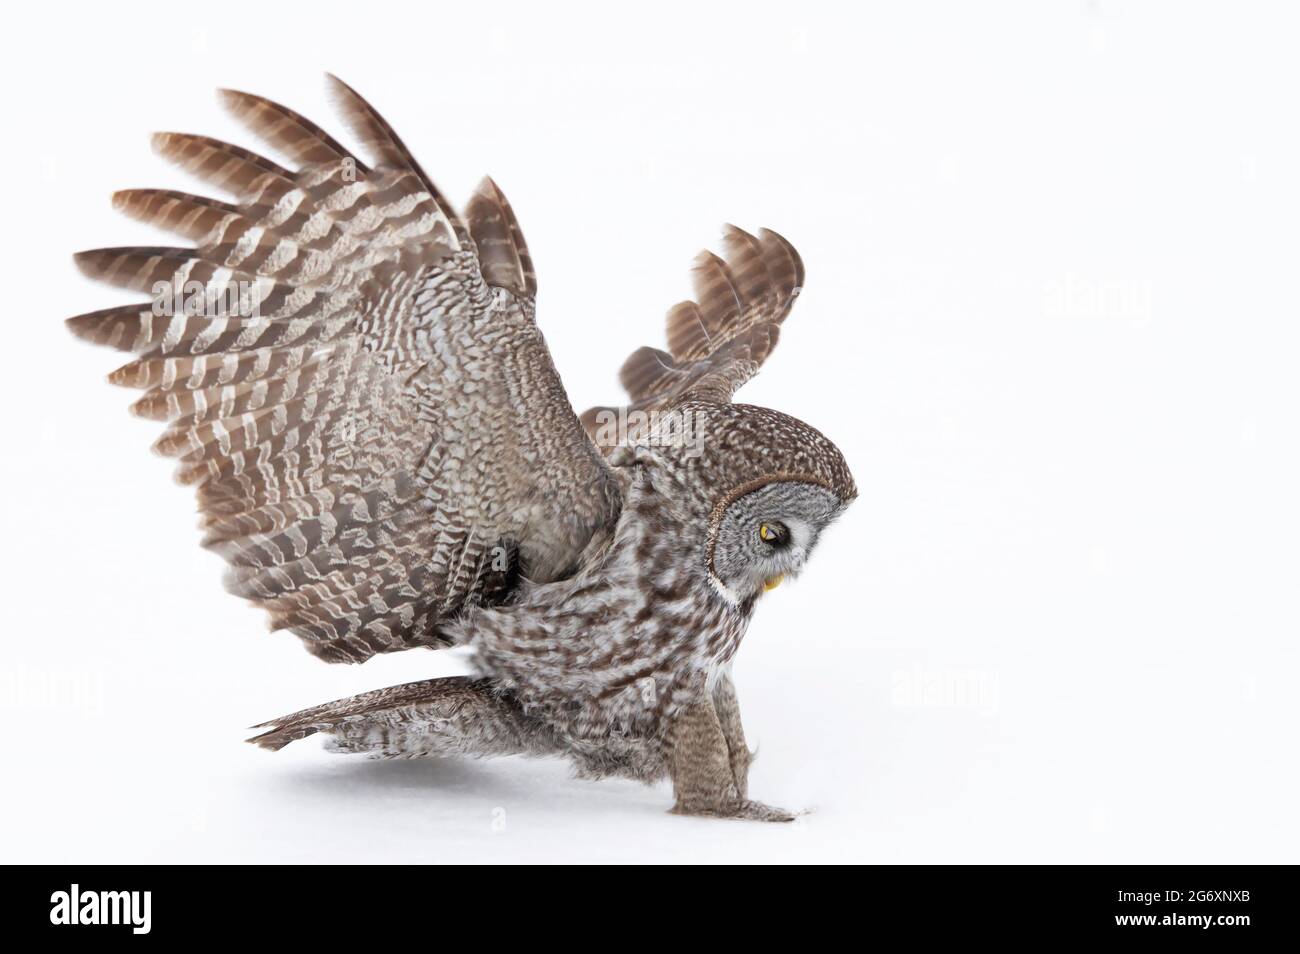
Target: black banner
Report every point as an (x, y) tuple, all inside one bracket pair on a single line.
[(1174, 904)]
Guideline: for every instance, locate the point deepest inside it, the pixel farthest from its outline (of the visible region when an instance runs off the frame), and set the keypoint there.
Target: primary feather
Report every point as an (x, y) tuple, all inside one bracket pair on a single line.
[(375, 421)]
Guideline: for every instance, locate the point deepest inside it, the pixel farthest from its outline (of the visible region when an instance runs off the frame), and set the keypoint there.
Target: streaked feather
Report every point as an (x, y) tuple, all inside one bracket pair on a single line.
[(329, 412), (718, 341)]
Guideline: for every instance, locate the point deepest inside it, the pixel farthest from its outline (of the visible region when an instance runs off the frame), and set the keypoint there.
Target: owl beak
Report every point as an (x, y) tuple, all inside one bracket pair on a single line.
[(772, 582)]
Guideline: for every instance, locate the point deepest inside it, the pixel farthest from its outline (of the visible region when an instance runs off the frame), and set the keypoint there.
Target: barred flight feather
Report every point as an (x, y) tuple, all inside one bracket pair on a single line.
[(339, 418), (718, 341)]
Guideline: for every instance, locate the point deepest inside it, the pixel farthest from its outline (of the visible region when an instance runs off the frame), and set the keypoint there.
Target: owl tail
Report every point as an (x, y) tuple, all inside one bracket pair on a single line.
[(458, 715)]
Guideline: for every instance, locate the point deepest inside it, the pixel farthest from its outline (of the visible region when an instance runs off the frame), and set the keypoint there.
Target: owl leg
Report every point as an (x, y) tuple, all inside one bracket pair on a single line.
[(727, 707), (703, 766)]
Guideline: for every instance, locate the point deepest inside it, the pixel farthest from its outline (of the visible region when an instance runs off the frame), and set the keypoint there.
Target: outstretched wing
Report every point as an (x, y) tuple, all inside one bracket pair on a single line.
[(352, 378), (715, 343)]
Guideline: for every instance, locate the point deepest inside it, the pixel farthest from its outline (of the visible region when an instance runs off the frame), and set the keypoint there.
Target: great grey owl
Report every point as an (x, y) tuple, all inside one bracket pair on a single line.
[(352, 378)]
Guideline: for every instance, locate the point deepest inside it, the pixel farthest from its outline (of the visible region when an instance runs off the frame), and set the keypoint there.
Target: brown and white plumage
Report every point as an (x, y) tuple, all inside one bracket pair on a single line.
[(386, 457), (388, 417), (718, 341)]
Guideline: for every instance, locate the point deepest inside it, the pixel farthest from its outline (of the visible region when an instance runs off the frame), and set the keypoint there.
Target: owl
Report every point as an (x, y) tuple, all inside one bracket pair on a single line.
[(351, 376)]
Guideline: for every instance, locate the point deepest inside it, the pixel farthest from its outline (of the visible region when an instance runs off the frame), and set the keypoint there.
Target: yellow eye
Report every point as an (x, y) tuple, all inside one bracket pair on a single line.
[(766, 533)]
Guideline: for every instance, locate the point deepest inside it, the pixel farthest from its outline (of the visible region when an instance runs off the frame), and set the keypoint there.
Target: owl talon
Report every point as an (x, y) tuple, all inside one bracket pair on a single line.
[(744, 809), (757, 811)]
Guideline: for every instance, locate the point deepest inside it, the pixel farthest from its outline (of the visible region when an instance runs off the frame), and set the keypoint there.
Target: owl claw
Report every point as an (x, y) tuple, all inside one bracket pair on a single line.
[(745, 809), (757, 811)]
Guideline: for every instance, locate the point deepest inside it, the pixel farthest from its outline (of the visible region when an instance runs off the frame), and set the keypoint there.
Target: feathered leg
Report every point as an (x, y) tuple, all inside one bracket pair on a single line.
[(437, 717), (710, 776), (727, 706)]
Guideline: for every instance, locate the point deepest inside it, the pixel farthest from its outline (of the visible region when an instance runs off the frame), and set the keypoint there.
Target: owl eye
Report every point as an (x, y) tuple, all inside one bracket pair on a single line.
[(773, 533)]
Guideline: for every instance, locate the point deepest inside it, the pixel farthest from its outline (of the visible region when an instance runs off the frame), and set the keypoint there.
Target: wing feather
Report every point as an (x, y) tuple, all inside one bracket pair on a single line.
[(718, 341), (359, 393), (500, 243)]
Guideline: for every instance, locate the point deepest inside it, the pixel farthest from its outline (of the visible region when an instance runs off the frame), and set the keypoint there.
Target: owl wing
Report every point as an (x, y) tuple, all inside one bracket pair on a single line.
[(715, 343), (352, 378)]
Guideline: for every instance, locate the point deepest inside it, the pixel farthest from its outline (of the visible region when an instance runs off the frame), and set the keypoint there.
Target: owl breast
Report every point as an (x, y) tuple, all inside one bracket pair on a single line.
[(614, 653)]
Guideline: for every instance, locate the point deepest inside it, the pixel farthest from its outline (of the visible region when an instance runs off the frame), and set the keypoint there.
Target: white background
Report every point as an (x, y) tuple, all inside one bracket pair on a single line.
[(1051, 319)]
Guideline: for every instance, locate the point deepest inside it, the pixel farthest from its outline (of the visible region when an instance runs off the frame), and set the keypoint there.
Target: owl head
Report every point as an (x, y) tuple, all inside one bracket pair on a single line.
[(773, 484), (767, 534)]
